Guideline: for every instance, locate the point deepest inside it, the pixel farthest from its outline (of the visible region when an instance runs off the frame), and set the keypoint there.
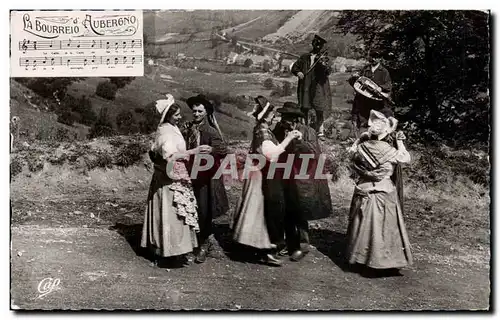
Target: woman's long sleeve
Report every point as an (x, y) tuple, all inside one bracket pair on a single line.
[(270, 150), (403, 156)]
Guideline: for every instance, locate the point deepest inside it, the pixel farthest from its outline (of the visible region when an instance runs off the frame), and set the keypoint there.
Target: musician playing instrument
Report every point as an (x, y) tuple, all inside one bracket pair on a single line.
[(313, 90), (362, 105)]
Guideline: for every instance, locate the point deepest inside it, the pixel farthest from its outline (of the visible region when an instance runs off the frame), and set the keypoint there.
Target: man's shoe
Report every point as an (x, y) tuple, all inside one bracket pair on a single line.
[(201, 256), (297, 255)]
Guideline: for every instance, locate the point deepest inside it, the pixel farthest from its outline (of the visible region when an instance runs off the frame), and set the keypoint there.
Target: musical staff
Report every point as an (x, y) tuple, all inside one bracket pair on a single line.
[(80, 60), (72, 44)]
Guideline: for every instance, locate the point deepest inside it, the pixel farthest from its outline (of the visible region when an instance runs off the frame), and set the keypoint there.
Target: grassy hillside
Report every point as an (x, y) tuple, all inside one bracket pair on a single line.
[(287, 30), (158, 23), (36, 122)]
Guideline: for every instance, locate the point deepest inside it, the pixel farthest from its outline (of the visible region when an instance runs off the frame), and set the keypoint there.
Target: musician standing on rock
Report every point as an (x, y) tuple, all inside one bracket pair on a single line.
[(362, 105), (313, 90)]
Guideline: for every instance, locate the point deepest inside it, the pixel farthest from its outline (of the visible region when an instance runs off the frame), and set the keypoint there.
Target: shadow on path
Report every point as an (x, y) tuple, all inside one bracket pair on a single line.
[(132, 233)]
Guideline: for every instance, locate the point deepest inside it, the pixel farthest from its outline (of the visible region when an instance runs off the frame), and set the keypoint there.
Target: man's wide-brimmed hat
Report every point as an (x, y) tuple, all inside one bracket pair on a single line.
[(375, 53), (381, 126), (200, 99), (261, 109), (291, 108), (319, 39)]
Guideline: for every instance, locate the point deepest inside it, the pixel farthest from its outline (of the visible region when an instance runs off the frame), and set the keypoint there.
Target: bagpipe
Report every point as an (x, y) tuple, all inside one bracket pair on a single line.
[(369, 89)]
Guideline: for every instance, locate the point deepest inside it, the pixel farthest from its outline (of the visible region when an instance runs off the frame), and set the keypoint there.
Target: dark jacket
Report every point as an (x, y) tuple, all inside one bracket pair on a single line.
[(310, 197), (210, 193), (362, 106), (313, 91)]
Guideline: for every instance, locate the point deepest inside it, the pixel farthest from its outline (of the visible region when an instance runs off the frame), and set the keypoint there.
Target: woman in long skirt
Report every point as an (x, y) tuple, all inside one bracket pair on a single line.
[(377, 236), (170, 220), (258, 220)]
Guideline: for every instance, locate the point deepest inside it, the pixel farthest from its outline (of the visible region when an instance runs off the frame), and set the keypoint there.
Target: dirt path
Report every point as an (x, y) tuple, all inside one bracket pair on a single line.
[(99, 268)]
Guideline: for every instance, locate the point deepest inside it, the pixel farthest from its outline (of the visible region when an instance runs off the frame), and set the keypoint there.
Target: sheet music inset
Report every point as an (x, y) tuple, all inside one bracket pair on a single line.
[(76, 43)]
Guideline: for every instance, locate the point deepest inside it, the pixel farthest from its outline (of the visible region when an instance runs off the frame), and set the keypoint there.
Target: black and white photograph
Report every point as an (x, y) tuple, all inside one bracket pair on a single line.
[(250, 160)]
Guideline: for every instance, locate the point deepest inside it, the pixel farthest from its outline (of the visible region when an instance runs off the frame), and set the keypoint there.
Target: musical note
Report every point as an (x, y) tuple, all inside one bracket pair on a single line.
[(27, 45), (80, 60)]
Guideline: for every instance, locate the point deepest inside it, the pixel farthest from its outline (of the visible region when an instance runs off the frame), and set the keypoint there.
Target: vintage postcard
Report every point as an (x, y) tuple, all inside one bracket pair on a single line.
[(250, 160)]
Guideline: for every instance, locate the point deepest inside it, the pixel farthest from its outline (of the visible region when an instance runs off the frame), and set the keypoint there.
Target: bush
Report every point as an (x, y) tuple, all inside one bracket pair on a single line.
[(67, 117), (126, 123), (150, 119), (248, 63), (101, 160), (106, 90), (16, 167), (268, 84), (47, 87), (103, 127), (64, 135), (121, 82), (131, 154), (35, 164), (83, 107), (266, 66)]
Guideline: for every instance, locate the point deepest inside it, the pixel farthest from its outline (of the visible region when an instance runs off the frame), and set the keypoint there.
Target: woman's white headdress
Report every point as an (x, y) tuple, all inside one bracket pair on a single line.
[(163, 105), (381, 126)]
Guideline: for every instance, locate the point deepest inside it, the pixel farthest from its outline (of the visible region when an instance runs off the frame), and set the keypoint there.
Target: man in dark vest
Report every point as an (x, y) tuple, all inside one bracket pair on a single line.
[(210, 193), (305, 199), (313, 90), (362, 105)]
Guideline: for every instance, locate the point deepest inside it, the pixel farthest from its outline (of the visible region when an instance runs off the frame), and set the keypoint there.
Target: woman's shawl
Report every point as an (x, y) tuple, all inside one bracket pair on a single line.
[(376, 153), (373, 160)]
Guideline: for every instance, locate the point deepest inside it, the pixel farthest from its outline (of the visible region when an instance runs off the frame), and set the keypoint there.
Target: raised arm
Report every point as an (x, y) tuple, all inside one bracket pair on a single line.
[(271, 150), (403, 156)]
